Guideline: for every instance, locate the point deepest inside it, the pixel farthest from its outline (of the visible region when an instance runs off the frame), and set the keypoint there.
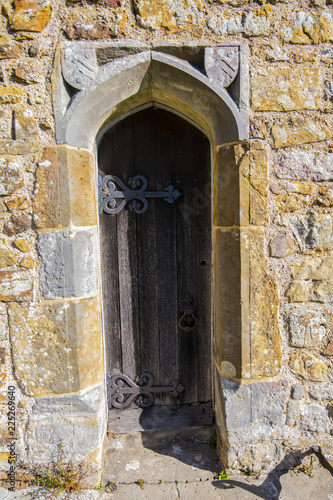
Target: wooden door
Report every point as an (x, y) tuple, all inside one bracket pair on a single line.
[(151, 262)]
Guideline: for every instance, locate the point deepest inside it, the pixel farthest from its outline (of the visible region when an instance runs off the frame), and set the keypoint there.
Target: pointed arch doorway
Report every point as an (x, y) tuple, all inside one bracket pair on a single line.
[(156, 270)]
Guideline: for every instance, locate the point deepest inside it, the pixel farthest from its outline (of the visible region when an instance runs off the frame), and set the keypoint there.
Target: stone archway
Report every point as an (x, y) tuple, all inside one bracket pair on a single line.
[(86, 101)]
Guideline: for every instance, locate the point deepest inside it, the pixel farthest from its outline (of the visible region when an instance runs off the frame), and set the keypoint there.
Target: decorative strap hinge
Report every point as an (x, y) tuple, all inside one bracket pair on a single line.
[(122, 390), (111, 200)]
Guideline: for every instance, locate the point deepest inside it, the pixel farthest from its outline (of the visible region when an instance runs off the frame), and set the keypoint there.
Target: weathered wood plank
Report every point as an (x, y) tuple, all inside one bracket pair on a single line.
[(203, 265), (186, 235), (109, 267), (166, 248), (127, 255), (160, 417), (146, 247)]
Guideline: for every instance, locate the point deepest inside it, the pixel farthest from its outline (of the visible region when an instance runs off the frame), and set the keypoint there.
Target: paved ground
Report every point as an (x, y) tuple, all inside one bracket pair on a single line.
[(159, 466)]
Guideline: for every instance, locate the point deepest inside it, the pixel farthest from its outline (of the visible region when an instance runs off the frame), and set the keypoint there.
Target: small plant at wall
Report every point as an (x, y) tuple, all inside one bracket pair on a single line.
[(59, 475), (142, 483), (212, 440), (223, 475)]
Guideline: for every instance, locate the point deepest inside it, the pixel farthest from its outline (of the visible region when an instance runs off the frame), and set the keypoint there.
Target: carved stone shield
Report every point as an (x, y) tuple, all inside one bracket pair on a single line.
[(79, 66), (221, 64)]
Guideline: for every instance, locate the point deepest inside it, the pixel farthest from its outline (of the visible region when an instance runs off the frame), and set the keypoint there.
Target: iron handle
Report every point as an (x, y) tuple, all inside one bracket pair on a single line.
[(188, 320)]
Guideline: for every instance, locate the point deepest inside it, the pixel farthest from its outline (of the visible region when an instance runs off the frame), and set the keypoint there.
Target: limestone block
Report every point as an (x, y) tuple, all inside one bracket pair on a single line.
[(314, 269), (246, 315), (308, 367), (9, 49), (314, 418), (291, 202), (286, 89), (31, 16), (10, 95), (15, 285), (69, 263), (307, 28), (20, 146), (17, 224), (173, 16), (293, 413), (22, 245), (281, 245), (65, 189), (256, 409), (307, 329), (327, 56), (313, 232), (299, 291), (299, 131), (258, 186), (29, 72), (56, 346), (10, 177), (305, 166), (7, 258), (86, 24), (263, 308), (258, 21)]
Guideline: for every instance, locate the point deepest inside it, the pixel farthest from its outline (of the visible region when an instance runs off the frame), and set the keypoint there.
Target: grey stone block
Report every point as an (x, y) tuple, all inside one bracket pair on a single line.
[(259, 405), (293, 413), (69, 267), (88, 403), (297, 391), (314, 418)]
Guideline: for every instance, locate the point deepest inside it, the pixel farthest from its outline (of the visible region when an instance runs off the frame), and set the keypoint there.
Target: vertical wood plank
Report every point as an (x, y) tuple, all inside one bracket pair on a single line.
[(166, 247), (186, 235), (127, 255), (109, 267), (203, 264), (146, 247)]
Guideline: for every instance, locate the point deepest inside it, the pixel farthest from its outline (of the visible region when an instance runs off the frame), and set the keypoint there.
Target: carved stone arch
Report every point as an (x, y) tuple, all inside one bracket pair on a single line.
[(211, 91)]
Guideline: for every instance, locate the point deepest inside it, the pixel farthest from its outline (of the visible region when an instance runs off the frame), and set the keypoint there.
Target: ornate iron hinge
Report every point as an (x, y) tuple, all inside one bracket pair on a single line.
[(121, 396), (111, 201)]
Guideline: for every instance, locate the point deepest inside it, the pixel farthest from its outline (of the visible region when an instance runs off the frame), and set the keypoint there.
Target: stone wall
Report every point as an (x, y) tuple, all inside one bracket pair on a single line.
[(283, 398)]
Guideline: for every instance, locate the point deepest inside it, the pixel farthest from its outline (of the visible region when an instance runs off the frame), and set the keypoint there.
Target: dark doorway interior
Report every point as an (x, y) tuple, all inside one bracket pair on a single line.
[(156, 262)]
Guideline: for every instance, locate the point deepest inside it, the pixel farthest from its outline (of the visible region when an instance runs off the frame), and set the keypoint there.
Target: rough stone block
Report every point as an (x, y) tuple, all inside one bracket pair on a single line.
[(29, 72), (321, 392), (27, 262), (308, 367), (24, 123), (69, 263), (313, 232), (297, 391), (222, 25), (286, 89), (325, 198), (10, 177), (305, 166), (87, 403), (7, 258), (300, 131), (173, 16), (293, 413), (9, 49), (306, 27), (87, 25), (258, 21), (22, 245), (314, 418), (18, 203), (20, 146), (30, 16), (281, 245), (65, 189), (15, 285), (17, 224), (10, 95), (307, 329), (56, 346)]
